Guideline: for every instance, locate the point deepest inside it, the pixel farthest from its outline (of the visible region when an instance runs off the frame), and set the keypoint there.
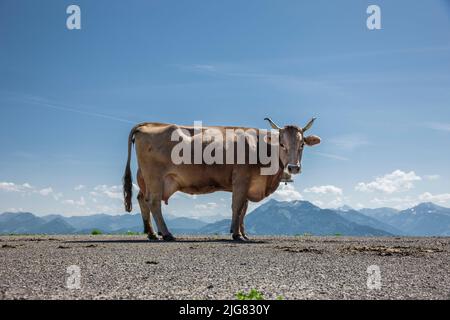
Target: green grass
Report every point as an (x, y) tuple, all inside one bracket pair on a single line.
[(95, 232), (253, 294), (338, 234)]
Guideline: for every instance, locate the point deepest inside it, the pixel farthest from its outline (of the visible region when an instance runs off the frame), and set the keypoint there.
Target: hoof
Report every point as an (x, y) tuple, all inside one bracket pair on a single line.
[(238, 238), (152, 236), (245, 237), (169, 237), (160, 233)]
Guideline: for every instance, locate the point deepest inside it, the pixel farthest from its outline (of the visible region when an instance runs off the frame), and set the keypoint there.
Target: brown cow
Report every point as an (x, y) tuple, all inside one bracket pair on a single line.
[(159, 176)]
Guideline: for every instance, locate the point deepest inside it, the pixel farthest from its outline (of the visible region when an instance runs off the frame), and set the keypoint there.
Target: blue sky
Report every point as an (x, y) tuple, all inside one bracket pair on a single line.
[(68, 98)]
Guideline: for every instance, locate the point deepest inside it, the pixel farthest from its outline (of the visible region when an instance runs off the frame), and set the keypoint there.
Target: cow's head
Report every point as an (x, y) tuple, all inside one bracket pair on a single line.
[(292, 140)]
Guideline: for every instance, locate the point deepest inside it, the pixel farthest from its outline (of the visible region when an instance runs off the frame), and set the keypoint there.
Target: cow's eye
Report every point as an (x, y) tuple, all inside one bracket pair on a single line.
[(282, 146)]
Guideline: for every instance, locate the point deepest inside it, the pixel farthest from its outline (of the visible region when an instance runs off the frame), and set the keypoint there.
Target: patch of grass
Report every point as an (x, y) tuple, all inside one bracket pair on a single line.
[(279, 298), (96, 232), (253, 294), (338, 234)]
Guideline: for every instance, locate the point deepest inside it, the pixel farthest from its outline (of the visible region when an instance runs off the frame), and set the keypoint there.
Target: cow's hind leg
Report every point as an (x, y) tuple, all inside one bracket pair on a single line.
[(154, 202), (146, 217), (241, 221)]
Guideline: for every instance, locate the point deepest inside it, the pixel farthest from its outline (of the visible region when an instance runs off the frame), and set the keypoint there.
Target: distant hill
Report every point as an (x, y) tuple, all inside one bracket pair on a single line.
[(271, 218), (186, 223), (379, 213), (370, 221), (299, 217), (28, 223), (425, 219), (218, 227), (105, 222)]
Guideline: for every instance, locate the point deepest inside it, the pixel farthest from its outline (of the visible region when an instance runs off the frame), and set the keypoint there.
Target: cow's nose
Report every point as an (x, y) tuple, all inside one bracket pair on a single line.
[(293, 168)]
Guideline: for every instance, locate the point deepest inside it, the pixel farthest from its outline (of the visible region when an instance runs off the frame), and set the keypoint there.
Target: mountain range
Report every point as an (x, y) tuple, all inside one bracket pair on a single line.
[(271, 218)]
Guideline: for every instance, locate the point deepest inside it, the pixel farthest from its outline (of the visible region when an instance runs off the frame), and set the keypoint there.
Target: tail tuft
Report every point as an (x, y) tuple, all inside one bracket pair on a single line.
[(127, 189), (127, 177)]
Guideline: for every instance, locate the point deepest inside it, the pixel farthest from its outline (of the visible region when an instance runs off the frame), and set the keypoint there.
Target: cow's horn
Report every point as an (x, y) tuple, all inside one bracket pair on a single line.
[(272, 124), (309, 124)]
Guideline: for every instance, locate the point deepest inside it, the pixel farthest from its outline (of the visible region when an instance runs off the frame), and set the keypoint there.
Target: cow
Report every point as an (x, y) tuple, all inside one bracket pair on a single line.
[(158, 177)]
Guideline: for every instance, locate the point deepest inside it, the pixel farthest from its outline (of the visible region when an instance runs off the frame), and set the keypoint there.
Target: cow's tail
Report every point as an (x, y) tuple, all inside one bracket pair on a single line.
[(127, 177)]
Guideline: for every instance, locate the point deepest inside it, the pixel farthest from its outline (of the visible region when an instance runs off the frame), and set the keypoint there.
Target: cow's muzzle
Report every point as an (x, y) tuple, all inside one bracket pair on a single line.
[(294, 168)]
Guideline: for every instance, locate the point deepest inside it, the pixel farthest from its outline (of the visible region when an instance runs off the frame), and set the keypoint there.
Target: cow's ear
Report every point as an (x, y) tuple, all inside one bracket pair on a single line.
[(311, 140), (271, 138)]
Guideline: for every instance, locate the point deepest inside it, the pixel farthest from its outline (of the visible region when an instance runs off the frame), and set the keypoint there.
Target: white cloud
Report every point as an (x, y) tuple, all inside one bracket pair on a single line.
[(28, 189), (326, 196), (49, 191), (328, 189), (13, 187), (441, 198), (287, 193), (396, 181), (338, 202), (45, 192), (113, 192), (79, 187)]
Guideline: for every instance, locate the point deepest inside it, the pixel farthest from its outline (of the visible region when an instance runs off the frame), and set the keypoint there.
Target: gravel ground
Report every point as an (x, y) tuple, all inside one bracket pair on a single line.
[(307, 267)]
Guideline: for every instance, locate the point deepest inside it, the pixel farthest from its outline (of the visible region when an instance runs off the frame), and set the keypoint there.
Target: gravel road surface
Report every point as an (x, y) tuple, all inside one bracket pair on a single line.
[(306, 267)]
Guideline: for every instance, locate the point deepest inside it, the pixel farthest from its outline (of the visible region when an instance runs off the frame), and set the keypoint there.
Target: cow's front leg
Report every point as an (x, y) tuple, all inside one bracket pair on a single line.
[(241, 220), (154, 203)]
